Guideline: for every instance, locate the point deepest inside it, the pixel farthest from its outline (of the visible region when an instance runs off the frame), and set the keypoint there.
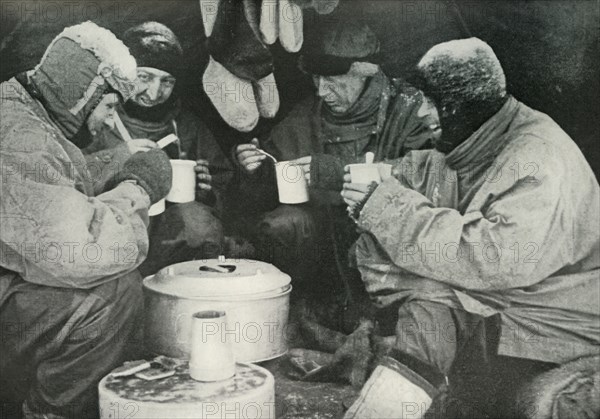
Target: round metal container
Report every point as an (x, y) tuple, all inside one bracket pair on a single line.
[(255, 296)]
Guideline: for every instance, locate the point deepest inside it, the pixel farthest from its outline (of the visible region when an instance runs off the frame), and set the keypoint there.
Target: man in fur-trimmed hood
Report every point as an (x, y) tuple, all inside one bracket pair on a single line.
[(70, 294)]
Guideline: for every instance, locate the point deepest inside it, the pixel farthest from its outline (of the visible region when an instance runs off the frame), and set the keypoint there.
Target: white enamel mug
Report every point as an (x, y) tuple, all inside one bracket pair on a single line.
[(211, 355), (291, 183), (184, 181)]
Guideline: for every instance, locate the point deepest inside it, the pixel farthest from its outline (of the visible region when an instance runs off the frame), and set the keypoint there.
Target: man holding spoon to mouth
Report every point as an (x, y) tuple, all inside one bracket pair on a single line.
[(154, 118), (356, 109)]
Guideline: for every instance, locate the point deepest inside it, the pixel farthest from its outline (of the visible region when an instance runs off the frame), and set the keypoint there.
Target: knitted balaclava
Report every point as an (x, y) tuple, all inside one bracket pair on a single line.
[(466, 81), (81, 64), (154, 45)]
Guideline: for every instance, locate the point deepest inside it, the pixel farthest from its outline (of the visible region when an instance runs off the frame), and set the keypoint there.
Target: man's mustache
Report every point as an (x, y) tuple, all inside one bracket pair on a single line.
[(146, 99)]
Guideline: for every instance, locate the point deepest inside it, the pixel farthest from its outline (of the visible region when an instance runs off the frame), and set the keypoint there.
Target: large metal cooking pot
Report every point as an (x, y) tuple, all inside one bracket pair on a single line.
[(255, 296)]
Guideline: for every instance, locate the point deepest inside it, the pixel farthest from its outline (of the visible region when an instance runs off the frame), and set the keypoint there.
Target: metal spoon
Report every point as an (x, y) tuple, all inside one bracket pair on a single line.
[(267, 154)]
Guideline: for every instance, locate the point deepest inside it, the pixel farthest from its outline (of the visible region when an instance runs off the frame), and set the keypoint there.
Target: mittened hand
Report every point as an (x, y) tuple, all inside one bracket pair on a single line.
[(203, 175), (151, 170)]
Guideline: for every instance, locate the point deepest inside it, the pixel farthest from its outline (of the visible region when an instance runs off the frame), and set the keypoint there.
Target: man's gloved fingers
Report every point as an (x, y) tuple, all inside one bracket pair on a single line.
[(347, 178), (152, 170), (204, 186), (205, 177)]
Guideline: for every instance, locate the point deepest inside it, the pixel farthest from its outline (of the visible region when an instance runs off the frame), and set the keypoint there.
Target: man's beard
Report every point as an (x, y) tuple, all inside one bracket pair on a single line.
[(155, 113), (83, 137), (459, 123), (453, 135)]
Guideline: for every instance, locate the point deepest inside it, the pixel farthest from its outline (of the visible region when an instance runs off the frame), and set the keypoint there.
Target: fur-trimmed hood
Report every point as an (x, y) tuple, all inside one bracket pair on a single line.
[(79, 66)]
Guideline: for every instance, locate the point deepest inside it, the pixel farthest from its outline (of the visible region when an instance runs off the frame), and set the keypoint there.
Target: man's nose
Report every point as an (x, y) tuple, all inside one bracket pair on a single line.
[(323, 88), (153, 89)]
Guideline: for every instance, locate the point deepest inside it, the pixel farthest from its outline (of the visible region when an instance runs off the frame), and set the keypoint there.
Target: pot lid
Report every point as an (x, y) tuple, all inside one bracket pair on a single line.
[(217, 277)]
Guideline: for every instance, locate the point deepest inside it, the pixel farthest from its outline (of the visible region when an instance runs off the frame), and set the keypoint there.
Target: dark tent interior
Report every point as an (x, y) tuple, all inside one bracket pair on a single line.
[(549, 49)]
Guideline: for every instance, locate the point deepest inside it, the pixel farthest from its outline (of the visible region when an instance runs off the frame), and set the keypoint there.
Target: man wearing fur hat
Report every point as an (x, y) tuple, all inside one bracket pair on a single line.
[(487, 245), (184, 231), (70, 294), (356, 109)]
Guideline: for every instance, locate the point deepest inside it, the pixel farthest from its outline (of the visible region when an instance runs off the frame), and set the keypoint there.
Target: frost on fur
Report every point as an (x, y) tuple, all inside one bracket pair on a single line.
[(103, 44)]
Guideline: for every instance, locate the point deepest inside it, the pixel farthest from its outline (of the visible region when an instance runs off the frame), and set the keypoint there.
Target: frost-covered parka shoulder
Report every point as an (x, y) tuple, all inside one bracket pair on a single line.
[(53, 230)]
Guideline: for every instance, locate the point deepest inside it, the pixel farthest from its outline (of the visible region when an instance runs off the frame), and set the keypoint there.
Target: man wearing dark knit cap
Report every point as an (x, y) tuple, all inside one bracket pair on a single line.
[(488, 245), (356, 109), (184, 231)]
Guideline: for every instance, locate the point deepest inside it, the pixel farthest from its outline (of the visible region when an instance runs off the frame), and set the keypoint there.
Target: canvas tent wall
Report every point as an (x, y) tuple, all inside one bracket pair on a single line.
[(549, 49)]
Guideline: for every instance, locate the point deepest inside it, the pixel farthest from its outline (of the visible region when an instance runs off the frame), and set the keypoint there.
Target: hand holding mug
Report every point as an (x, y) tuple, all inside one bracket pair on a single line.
[(383, 169), (354, 193), (203, 175)]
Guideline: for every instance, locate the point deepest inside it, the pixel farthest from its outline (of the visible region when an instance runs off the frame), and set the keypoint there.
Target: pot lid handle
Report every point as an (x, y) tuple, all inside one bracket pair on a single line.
[(223, 269)]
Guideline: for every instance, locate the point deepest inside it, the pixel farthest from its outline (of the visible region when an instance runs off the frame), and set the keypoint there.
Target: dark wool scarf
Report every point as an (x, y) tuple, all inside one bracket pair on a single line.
[(486, 143), (165, 112), (361, 119)]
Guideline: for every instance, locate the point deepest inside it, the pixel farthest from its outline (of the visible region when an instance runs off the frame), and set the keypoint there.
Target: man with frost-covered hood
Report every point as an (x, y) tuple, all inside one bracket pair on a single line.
[(489, 243), (70, 294)]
